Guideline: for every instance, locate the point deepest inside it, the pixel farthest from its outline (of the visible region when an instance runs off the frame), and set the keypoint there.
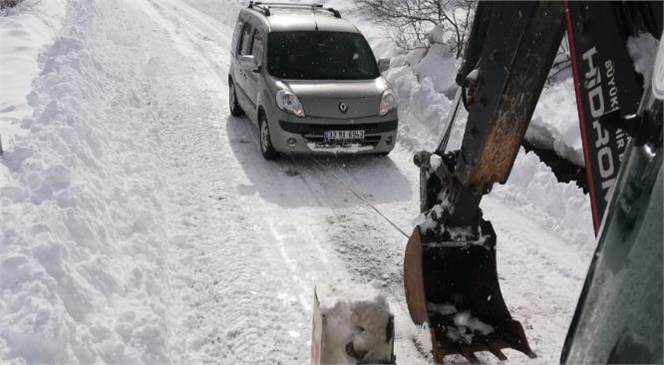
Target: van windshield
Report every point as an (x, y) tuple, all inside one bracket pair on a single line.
[(318, 55)]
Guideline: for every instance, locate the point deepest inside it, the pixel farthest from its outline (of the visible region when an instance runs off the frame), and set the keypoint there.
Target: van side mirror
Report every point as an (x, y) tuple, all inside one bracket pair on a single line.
[(383, 64), (248, 62)]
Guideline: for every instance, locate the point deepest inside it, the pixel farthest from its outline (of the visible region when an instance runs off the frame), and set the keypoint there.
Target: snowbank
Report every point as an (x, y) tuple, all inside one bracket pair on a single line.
[(224, 11), (643, 50), (560, 207), (438, 65), (555, 123), (24, 31), (532, 186), (422, 109), (81, 253)]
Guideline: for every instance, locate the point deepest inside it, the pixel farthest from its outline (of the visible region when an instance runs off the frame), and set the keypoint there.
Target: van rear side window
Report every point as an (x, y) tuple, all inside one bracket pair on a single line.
[(245, 40), (257, 47)]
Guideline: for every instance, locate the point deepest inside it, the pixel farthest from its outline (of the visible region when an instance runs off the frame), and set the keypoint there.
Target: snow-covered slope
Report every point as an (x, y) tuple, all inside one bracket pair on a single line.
[(141, 225), (83, 255), (23, 32)]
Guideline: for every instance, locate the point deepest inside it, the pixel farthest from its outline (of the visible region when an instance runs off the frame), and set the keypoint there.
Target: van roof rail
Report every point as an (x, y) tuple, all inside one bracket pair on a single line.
[(264, 7)]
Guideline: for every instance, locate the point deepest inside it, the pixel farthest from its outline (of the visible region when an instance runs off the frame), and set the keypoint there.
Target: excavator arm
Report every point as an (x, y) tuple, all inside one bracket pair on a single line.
[(450, 274), (450, 261)]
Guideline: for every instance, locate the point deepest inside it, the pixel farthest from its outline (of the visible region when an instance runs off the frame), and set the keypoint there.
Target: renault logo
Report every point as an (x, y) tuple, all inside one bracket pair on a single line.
[(343, 107)]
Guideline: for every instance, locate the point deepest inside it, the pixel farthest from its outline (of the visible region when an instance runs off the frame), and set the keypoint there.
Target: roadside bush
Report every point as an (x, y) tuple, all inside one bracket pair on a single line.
[(419, 23), (6, 4)]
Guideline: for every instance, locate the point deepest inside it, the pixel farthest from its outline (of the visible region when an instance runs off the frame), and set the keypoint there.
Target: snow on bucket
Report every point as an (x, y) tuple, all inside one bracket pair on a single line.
[(351, 325)]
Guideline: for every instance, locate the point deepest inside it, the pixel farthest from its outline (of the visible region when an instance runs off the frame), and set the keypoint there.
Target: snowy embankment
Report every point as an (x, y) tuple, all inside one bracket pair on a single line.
[(532, 186), (82, 254), (24, 30)]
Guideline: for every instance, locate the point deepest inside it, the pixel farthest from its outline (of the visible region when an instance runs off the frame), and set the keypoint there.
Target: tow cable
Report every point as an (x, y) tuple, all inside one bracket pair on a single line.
[(388, 220)]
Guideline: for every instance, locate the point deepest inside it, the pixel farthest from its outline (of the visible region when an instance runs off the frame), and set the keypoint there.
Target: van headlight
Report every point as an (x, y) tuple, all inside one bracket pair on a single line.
[(388, 103), (288, 102)]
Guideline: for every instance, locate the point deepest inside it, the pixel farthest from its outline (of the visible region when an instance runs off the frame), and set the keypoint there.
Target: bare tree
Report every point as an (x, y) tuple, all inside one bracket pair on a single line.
[(5, 4), (411, 21), (561, 64)]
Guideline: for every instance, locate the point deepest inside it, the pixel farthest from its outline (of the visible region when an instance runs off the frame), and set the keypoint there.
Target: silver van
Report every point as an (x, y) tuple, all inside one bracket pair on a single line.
[(309, 81)]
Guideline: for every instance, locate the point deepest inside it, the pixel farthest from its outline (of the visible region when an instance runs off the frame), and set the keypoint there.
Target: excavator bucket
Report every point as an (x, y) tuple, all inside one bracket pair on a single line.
[(453, 288), (450, 273)]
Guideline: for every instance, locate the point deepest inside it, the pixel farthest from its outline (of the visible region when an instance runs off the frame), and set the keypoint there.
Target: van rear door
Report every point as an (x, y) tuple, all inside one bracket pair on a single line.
[(239, 73)]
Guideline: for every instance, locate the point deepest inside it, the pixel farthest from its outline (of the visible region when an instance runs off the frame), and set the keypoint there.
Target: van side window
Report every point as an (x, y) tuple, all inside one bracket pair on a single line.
[(245, 41), (257, 48), (237, 32)]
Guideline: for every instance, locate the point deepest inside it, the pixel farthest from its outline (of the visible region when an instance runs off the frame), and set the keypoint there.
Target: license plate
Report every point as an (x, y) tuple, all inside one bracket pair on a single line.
[(343, 135)]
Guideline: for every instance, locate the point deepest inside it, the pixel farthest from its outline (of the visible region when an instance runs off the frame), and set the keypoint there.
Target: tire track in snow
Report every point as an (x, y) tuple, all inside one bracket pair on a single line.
[(280, 233), (312, 268), (237, 305), (311, 172), (282, 253), (383, 266), (190, 41)]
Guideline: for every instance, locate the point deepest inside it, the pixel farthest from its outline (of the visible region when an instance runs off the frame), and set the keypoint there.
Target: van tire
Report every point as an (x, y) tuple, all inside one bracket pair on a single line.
[(235, 108), (265, 140)]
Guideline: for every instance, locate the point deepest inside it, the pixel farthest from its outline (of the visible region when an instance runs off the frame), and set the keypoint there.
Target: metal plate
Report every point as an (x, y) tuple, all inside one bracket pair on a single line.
[(343, 135)]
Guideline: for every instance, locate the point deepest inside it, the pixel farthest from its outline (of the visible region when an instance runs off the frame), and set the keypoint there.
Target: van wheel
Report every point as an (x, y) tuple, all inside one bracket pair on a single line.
[(236, 110), (268, 151)]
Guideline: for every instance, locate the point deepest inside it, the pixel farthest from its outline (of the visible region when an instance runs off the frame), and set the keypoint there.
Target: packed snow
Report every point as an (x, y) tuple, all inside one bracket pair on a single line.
[(643, 51), (141, 225)]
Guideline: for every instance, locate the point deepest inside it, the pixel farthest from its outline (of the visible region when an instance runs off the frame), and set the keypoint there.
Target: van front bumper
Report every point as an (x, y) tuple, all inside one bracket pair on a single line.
[(307, 136)]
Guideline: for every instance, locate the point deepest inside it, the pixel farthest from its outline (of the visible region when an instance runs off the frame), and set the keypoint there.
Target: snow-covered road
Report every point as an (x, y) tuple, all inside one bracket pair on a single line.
[(258, 236), (141, 224)]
